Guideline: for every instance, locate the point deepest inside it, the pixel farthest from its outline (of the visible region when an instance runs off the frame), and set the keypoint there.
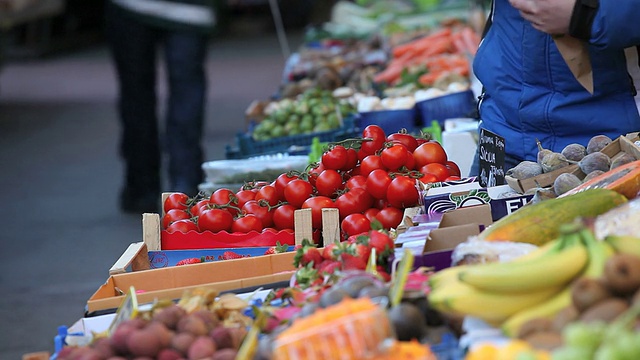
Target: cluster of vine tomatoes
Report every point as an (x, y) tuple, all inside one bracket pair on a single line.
[(367, 179)]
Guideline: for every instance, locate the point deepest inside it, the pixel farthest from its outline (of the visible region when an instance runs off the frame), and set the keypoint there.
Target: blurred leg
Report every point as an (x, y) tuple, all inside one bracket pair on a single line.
[(133, 46), (185, 55)]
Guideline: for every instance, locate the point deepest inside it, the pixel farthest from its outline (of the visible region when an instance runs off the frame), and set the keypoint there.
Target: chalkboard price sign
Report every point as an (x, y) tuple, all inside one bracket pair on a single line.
[(491, 147)]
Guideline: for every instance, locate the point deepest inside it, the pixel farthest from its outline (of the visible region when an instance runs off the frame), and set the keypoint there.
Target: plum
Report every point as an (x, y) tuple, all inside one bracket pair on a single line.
[(597, 143), (565, 182), (595, 161), (574, 152)]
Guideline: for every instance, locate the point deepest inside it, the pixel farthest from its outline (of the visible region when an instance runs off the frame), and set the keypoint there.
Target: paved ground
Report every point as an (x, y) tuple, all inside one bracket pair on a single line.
[(60, 175)]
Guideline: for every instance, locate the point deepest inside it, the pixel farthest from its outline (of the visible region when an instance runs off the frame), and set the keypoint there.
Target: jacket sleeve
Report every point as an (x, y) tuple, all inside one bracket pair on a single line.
[(606, 23)]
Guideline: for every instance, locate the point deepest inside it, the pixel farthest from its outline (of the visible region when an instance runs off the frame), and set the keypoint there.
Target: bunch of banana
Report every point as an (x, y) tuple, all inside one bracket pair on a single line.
[(535, 285)]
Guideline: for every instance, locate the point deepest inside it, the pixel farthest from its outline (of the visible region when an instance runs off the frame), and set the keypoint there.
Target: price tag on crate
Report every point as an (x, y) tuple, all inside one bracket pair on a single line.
[(127, 310)]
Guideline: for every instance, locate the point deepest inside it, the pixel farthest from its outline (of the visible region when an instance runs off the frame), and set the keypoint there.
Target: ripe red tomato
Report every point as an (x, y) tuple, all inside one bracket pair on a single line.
[(429, 178), (283, 217), (390, 217), (182, 226), (454, 170), (197, 208), (353, 201), (328, 183), (376, 138), (336, 158), (281, 181), (244, 196), (371, 163), (410, 164), (176, 201), (297, 192), (439, 170), (377, 183), (314, 171), (316, 204), (352, 160), (261, 210), (371, 213), (215, 220), (394, 157), (407, 140), (402, 192), (224, 196), (174, 215), (268, 193), (246, 223), (355, 224), (429, 152), (356, 181)]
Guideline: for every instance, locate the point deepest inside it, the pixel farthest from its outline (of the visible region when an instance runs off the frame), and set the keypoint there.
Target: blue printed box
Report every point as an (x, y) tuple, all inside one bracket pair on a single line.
[(166, 258)]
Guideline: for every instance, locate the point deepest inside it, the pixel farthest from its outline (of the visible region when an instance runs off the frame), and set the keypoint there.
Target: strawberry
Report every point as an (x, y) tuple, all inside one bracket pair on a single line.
[(382, 242), (328, 252), (279, 248), (353, 262), (230, 255), (307, 254), (306, 276), (190, 261), (329, 267), (363, 251)]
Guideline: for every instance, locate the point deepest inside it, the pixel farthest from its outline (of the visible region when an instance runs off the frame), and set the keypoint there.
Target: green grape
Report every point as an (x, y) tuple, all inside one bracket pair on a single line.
[(572, 353), (608, 352), (627, 346), (584, 335)]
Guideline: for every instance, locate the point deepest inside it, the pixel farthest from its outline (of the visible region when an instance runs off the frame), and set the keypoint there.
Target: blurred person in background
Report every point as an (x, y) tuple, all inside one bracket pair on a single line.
[(529, 90), (136, 31)]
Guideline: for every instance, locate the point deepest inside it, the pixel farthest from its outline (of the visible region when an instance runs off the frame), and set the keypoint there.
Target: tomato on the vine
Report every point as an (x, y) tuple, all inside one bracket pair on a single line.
[(410, 163), (283, 217), (297, 192), (402, 192), (246, 223), (389, 217), (224, 196), (429, 178), (328, 182), (354, 201), (371, 213), (174, 215), (183, 226), (371, 163), (245, 195), (355, 224), (454, 169), (394, 157), (281, 182), (376, 138), (377, 183), (429, 152), (316, 204), (356, 181), (176, 201), (314, 171), (405, 139), (437, 169), (215, 220), (269, 194), (261, 209), (352, 160), (197, 208), (335, 158)]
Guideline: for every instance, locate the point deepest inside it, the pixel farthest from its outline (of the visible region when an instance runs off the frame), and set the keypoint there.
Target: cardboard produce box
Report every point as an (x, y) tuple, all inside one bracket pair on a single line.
[(613, 150), (171, 282)]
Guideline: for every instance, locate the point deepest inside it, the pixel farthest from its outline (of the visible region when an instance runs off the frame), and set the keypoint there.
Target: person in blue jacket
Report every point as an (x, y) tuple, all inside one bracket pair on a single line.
[(529, 91), (136, 31)]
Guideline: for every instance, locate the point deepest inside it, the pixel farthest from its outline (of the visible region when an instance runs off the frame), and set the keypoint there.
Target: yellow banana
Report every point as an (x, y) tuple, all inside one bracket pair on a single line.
[(599, 252), (446, 275), (547, 309), (624, 244), (461, 299), (556, 268)]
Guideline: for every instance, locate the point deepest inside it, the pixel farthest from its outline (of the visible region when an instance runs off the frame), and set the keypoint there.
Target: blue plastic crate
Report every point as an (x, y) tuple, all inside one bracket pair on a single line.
[(390, 121), (247, 146), (456, 105)]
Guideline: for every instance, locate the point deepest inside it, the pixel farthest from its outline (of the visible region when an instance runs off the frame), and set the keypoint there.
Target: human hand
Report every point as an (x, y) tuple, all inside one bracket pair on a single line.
[(549, 16)]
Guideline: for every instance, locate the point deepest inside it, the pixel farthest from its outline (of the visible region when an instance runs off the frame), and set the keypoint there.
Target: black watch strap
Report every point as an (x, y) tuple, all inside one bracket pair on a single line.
[(582, 17)]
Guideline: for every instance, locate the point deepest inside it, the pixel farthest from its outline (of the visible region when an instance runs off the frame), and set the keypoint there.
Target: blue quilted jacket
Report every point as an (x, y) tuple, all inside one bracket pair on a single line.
[(531, 94)]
